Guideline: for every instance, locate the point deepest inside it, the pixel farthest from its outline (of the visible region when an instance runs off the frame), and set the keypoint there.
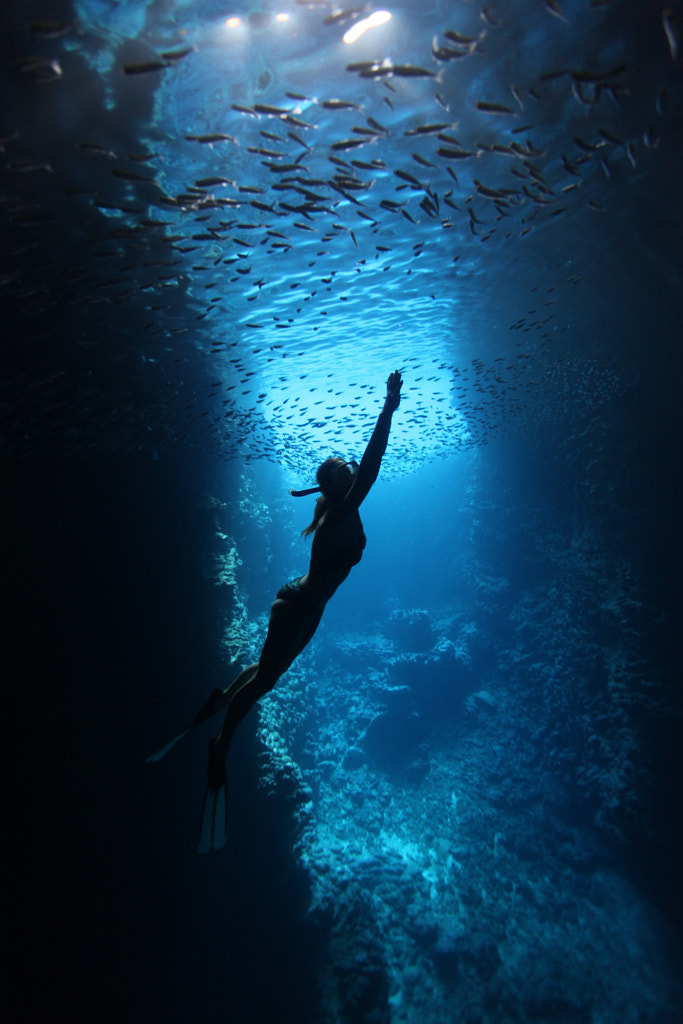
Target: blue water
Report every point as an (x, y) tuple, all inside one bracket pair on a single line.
[(462, 801)]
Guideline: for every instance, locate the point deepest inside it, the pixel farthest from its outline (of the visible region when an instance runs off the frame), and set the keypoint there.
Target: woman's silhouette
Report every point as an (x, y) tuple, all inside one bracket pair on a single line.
[(338, 543)]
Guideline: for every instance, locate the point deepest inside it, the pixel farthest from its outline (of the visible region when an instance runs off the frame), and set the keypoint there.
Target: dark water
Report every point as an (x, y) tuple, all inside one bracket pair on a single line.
[(463, 801)]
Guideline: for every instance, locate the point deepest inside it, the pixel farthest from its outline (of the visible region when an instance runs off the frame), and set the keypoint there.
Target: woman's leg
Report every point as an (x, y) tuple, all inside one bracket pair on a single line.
[(219, 699), (245, 677), (289, 630), (307, 633)]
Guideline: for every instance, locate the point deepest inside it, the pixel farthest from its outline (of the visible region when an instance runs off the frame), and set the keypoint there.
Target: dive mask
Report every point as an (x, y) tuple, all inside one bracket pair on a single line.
[(352, 466)]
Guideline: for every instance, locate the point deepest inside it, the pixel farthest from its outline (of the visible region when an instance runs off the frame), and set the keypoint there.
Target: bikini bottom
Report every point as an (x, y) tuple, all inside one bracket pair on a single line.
[(293, 592)]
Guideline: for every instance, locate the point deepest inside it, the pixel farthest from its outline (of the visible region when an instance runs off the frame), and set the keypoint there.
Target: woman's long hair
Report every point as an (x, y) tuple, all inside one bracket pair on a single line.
[(321, 506), (324, 478)]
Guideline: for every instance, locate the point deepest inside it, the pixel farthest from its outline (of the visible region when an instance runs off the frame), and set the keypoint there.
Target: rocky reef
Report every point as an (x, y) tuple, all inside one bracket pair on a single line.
[(462, 781), (454, 872)]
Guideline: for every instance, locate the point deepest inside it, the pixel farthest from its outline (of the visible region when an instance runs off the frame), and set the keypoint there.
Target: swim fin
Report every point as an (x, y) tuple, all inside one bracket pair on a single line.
[(210, 708), (212, 830), (153, 758)]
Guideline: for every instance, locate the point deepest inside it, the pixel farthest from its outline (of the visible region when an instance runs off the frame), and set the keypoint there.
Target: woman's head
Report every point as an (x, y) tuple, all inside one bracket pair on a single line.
[(334, 478)]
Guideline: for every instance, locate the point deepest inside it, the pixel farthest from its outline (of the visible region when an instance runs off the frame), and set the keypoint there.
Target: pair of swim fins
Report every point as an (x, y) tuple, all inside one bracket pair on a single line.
[(212, 829)]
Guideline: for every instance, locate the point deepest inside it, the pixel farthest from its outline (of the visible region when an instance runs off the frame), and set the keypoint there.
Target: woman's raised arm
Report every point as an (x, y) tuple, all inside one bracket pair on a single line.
[(372, 457)]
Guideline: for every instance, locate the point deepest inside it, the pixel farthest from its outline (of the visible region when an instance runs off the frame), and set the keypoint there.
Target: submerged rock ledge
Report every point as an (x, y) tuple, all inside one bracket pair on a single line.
[(454, 878)]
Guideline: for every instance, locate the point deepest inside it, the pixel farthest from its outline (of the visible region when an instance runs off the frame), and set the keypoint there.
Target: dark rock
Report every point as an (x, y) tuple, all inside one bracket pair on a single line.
[(418, 769), (353, 758), (412, 628), (356, 980), (445, 954), (555, 1006), (392, 737), (439, 683), (471, 897), (474, 951), (480, 951), (397, 699), (424, 929)]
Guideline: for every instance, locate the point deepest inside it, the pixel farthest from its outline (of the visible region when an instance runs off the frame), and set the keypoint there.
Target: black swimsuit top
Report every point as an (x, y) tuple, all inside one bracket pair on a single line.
[(346, 557), (350, 551)]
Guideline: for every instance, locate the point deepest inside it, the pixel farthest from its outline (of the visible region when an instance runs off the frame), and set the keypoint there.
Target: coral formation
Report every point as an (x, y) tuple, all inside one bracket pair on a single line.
[(459, 779)]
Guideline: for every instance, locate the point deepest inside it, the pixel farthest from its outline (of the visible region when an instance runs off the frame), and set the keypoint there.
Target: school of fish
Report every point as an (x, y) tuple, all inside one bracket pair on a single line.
[(221, 238)]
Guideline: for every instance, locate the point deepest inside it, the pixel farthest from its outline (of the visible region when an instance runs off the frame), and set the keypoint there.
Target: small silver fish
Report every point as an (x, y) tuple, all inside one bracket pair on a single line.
[(421, 160), (488, 193), (609, 137), (338, 105), (211, 138), (49, 29), (661, 102), (494, 108), (587, 147), (210, 182), (427, 129), (344, 144), (96, 148), (650, 140), (518, 96), (454, 154), (487, 17), (173, 55), (411, 71), (144, 67), (270, 111), (554, 8), (39, 69), (377, 126), (27, 166), (448, 52), (670, 30), (120, 172), (456, 37), (595, 77), (406, 176)]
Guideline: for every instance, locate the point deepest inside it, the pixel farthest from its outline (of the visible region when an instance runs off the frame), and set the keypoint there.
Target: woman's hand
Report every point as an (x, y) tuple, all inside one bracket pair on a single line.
[(394, 385)]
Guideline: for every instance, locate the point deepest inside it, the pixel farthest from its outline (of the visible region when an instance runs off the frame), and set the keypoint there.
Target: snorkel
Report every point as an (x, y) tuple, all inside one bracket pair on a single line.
[(306, 491), (352, 467)]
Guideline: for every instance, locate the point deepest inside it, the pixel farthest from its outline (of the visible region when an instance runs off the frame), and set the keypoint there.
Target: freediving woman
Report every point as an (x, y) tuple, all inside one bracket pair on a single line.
[(338, 543)]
